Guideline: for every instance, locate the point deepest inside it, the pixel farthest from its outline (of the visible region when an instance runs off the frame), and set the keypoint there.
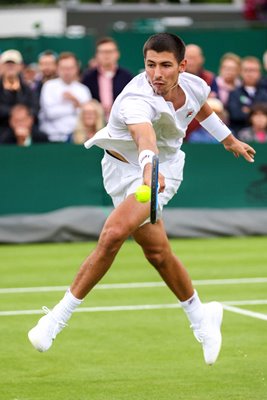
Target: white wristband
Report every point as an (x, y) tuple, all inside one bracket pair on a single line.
[(144, 158), (216, 127)]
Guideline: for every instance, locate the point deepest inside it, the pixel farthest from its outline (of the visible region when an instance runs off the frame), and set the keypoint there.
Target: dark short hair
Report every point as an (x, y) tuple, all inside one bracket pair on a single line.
[(166, 42)]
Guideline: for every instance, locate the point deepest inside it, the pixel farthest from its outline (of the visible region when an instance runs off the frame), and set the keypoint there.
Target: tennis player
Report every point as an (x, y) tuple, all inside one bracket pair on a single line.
[(149, 117)]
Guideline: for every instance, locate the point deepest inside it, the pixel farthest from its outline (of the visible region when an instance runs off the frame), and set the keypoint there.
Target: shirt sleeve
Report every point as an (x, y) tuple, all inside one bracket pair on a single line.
[(135, 111)]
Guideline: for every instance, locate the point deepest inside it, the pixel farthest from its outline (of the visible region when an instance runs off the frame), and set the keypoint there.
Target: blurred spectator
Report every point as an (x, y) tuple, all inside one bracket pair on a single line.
[(90, 120), (263, 81), (255, 10), (264, 60), (47, 65), (13, 90), (22, 130), (92, 63), (29, 73), (195, 65), (257, 131), (107, 79), (201, 135), (61, 99), (229, 75), (249, 93)]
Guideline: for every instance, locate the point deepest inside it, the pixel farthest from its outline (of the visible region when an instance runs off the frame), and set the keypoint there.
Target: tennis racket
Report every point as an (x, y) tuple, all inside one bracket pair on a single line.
[(154, 189)]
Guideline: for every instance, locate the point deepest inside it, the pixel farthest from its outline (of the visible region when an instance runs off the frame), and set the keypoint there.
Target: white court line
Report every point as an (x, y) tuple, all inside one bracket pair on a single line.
[(228, 305), (134, 285), (248, 313)]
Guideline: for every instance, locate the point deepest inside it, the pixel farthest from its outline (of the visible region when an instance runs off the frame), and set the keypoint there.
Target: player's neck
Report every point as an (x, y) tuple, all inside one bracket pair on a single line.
[(176, 96)]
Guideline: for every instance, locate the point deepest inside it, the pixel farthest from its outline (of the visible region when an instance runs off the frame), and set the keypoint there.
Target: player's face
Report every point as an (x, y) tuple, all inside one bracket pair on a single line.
[(163, 71)]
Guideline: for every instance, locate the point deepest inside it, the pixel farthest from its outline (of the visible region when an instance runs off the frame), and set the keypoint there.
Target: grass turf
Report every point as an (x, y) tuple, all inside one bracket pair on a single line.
[(142, 355)]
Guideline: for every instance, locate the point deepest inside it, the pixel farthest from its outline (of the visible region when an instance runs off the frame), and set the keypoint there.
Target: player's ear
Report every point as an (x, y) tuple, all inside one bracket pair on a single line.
[(182, 65)]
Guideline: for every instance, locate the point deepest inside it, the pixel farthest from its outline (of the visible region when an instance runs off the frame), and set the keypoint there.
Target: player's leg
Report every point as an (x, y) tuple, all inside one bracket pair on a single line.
[(205, 318), (119, 225), (157, 249)]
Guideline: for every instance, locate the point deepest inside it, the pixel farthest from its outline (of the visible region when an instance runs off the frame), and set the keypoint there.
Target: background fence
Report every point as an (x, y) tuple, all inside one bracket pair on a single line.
[(215, 42), (44, 178)]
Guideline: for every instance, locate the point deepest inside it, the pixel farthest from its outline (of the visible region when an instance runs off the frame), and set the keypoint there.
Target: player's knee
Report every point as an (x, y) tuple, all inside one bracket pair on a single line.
[(112, 238), (156, 257)]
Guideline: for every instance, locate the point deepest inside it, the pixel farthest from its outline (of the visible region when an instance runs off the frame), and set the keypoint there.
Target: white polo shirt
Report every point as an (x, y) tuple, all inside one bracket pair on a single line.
[(58, 117), (138, 103)]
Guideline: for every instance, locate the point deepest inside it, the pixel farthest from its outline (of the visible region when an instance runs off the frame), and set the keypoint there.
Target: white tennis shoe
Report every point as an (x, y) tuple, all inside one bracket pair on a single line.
[(47, 328), (208, 333)]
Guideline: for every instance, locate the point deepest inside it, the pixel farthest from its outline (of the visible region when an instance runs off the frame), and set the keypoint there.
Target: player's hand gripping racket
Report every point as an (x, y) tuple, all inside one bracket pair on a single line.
[(154, 189)]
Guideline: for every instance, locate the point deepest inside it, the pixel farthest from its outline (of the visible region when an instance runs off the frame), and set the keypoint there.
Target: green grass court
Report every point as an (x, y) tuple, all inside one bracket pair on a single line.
[(114, 352)]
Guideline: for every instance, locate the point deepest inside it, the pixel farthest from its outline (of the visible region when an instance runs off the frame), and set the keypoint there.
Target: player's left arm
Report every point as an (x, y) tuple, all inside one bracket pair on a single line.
[(217, 128)]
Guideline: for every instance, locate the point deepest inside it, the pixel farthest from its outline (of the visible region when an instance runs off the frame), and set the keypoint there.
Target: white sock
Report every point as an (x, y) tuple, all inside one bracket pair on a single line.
[(193, 309), (64, 309)]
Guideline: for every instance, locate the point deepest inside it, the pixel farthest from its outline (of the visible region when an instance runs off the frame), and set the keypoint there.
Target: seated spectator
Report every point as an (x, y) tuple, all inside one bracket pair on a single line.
[(61, 99), (250, 92), (201, 135), (22, 130), (229, 75), (90, 120), (13, 90), (47, 65), (195, 65), (107, 79), (257, 131)]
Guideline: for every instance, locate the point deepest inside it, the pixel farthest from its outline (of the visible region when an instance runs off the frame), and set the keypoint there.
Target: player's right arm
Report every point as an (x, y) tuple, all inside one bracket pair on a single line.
[(145, 138)]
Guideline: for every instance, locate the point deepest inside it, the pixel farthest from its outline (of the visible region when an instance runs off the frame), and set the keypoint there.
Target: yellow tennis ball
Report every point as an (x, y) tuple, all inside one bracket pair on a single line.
[(143, 193)]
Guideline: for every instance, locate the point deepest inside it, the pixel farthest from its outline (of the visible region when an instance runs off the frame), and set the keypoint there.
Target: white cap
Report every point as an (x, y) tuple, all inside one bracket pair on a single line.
[(11, 56)]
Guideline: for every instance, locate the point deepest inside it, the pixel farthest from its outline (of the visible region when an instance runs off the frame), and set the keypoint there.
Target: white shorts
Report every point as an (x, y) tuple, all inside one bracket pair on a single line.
[(122, 179)]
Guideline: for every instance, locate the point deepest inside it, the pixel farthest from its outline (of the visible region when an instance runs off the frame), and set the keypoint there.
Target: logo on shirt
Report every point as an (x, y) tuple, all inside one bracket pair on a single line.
[(189, 113)]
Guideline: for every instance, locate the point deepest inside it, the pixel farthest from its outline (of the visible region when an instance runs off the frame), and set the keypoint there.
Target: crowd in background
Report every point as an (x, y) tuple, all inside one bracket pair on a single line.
[(54, 101)]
